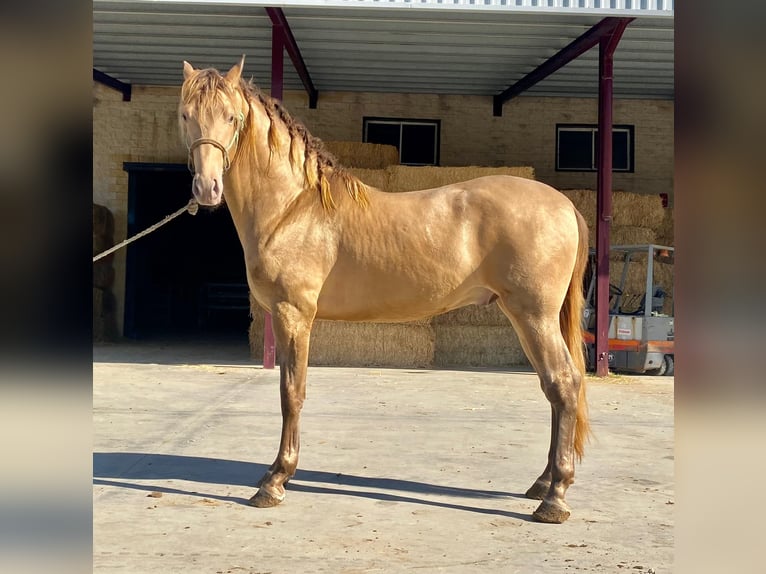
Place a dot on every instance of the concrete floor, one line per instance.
(400, 470)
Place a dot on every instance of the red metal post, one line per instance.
(277, 81)
(277, 60)
(278, 19)
(607, 46)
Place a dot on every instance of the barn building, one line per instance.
(448, 84)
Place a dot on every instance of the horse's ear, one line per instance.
(235, 73)
(188, 70)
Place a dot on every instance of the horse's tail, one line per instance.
(570, 320)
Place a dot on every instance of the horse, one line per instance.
(319, 243)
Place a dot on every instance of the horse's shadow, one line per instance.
(122, 469)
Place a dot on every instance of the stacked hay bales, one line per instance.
(378, 178)
(372, 344)
(637, 220)
(666, 229)
(476, 336)
(104, 321)
(358, 344)
(398, 178)
(363, 155)
(409, 178)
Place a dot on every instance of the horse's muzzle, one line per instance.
(207, 191)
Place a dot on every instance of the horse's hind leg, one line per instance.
(540, 487)
(546, 349)
(292, 328)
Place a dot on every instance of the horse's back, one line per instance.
(505, 211)
(491, 197)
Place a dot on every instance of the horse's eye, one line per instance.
(184, 116)
(231, 119)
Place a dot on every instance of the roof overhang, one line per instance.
(426, 46)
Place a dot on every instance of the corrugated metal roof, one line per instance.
(422, 46)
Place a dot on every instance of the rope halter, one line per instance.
(215, 143)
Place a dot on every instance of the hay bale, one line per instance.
(637, 219)
(363, 155)
(473, 315)
(624, 235)
(378, 178)
(477, 346)
(628, 209)
(341, 343)
(399, 178)
(409, 178)
(665, 233)
(585, 202)
(630, 235)
(638, 210)
(371, 344)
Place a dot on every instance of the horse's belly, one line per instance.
(395, 299)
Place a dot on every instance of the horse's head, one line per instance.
(211, 116)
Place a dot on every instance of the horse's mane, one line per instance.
(319, 167)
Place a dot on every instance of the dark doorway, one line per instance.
(187, 277)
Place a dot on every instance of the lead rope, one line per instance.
(191, 207)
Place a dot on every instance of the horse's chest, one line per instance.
(277, 271)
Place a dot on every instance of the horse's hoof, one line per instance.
(551, 512)
(264, 499)
(538, 490)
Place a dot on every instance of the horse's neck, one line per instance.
(261, 187)
(257, 204)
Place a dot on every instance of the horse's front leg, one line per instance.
(292, 328)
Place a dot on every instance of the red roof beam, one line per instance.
(577, 47)
(279, 20)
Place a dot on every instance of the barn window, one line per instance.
(577, 147)
(416, 140)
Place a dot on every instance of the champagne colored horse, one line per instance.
(320, 244)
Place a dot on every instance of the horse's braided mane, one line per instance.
(318, 164)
